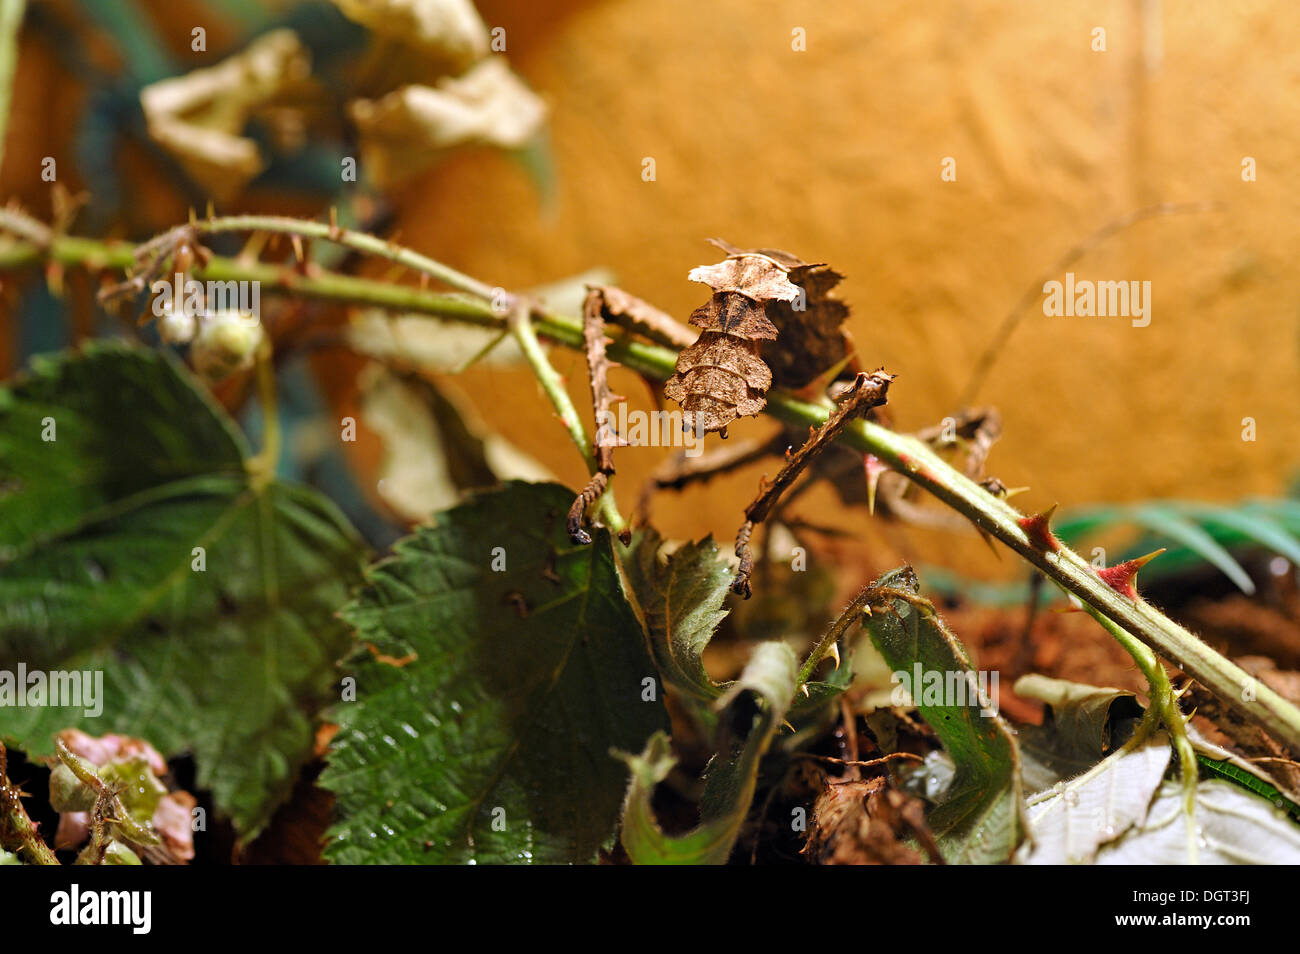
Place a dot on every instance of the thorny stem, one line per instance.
(360, 241)
(1163, 702)
(904, 454)
(1162, 708)
(830, 641)
(14, 819)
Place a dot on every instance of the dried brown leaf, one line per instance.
(865, 822)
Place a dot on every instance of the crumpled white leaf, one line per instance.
(1071, 821)
(1123, 811)
(198, 117)
(1233, 827)
(451, 29)
(416, 475)
(402, 131)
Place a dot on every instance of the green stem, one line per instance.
(833, 635)
(15, 821)
(1162, 708)
(11, 20)
(521, 327)
(359, 241)
(905, 454)
(261, 468)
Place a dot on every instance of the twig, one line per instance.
(14, 819)
(855, 763)
(1035, 289)
(332, 232)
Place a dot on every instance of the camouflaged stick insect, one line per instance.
(606, 438)
(609, 304)
(868, 391)
(812, 339)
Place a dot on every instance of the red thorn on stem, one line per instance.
(874, 468)
(1037, 528)
(1122, 577)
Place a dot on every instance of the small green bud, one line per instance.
(176, 327)
(68, 793)
(227, 342)
(119, 854)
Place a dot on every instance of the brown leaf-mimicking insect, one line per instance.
(721, 376)
(812, 339)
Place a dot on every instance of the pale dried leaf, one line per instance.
(432, 345)
(448, 29)
(435, 447)
(1070, 822)
(198, 117)
(403, 131)
(1232, 827)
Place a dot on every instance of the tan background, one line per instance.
(834, 154)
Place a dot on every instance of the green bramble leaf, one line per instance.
(113, 469)
(678, 597)
(522, 666)
(980, 818)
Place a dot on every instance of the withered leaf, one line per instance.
(199, 118)
(864, 822)
(405, 130)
